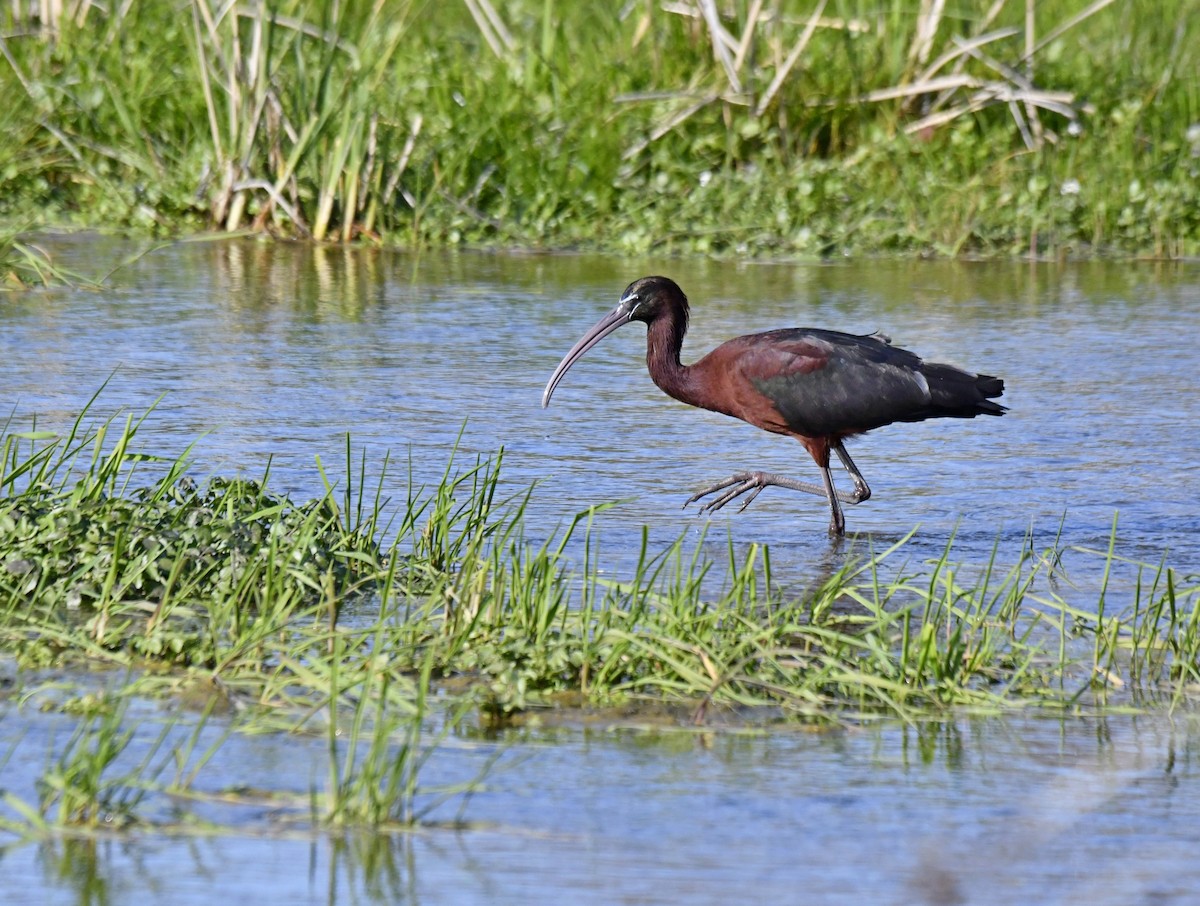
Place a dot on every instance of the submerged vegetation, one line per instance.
(748, 128)
(383, 625)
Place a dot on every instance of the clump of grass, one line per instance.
(252, 586)
(92, 783)
(227, 579)
(845, 648)
(168, 569)
(25, 265)
(291, 112)
(531, 629)
(376, 753)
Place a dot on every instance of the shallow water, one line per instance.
(986, 810)
(278, 350)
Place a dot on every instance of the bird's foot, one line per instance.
(734, 486)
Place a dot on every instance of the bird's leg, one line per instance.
(837, 521)
(753, 483)
(861, 491)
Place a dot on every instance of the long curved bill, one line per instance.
(600, 330)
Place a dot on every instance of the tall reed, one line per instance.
(293, 132)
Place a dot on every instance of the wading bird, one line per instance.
(818, 386)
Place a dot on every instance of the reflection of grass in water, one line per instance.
(24, 265)
(89, 783)
(233, 596)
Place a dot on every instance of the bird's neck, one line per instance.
(664, 339)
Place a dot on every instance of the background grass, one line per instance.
(628, 128)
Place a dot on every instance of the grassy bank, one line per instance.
(343, 617)
(254, 589)
(747, 129)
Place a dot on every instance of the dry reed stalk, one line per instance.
(1070, 23)
(793, 57)
(913, 89)
(1018, 91)
(402, 163)
(957, 55)
(1035, 139)
(492, 27)
(50, 12)
(748, 32)
(928, 20)
(991, 93)
(960, 49)
(277, 198)
(1032, 96)
(667, 125)
(722, 42)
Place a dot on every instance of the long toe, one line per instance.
(737, 478)
(715, 504)
(749, 500)
(735, 486)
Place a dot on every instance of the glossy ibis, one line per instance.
(818, 386)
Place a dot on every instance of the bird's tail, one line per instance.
(959, 394)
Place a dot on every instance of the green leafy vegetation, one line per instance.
(333, 619)
(832, 127)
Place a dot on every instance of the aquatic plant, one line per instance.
(169, 569)
(344, 620)
(93, 782)
(253, 585)
(291, 112)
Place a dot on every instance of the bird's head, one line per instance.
(646, 300)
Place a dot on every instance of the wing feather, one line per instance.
(825, 382)
(822, 383)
